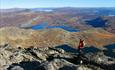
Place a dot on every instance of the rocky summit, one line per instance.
(26, 49)
(26, 38)
(51, 59)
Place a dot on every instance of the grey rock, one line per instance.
(48, 59)
(17, 68)
(83, 68)
(58, 64)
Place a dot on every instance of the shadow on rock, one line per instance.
(110, 50)
(67, 48)
(25, 65)
(68, 68)
(90, 49)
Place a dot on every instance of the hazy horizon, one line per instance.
(6, 4)
(53, 7)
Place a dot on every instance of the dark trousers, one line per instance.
(81, 54)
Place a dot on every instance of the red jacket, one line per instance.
(81, 44)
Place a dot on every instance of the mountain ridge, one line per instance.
(54, 37)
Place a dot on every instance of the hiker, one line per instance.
(80, 53)
(81, 45)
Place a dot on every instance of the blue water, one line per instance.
(98, 22)
(40, 26)
(45, 25)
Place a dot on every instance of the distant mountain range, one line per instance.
(78, 18)
(98, 11)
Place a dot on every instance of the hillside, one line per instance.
(15, 19)
(17, 37)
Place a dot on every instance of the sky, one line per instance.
(55, 3)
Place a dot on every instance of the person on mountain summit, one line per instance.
(80, 53)
(81, 45)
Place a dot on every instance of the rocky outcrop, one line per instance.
(17, 37)
(50, 59)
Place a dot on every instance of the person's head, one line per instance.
(81, 40)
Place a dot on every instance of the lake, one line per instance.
(46, 26)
